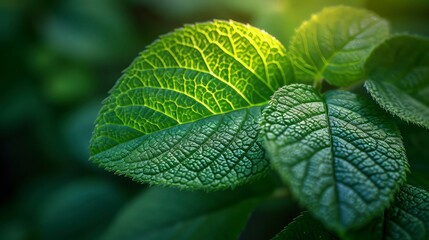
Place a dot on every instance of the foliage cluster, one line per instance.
(222, 105)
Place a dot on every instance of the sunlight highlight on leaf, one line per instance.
(185, 112)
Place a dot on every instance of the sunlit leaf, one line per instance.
(185, 112)
(334, 44)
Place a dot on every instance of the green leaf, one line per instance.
(213, 153)
(184, 113)
(171, 214)
(283, 21)
(408, 217)
(334, 44)
(342, 157)
(304, 227)
(398, 72)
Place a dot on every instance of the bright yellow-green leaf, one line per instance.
(185, 112)
(334, 44)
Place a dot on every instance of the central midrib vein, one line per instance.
(183, 123)
(331, 140)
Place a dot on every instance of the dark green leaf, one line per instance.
(304, 227)
(342, 157)
(398, 72)
(408, 217)
(172, 214)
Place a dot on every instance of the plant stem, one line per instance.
(317, 84)
(280, 193)
(353, 86)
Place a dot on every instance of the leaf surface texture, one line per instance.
(334, 44)
(342, 157)
(408, 217)
(398, 78)
(184, 112)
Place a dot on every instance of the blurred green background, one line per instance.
(58, 61)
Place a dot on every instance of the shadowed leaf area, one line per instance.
(342, 157)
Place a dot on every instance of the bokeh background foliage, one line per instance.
(59, 58)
